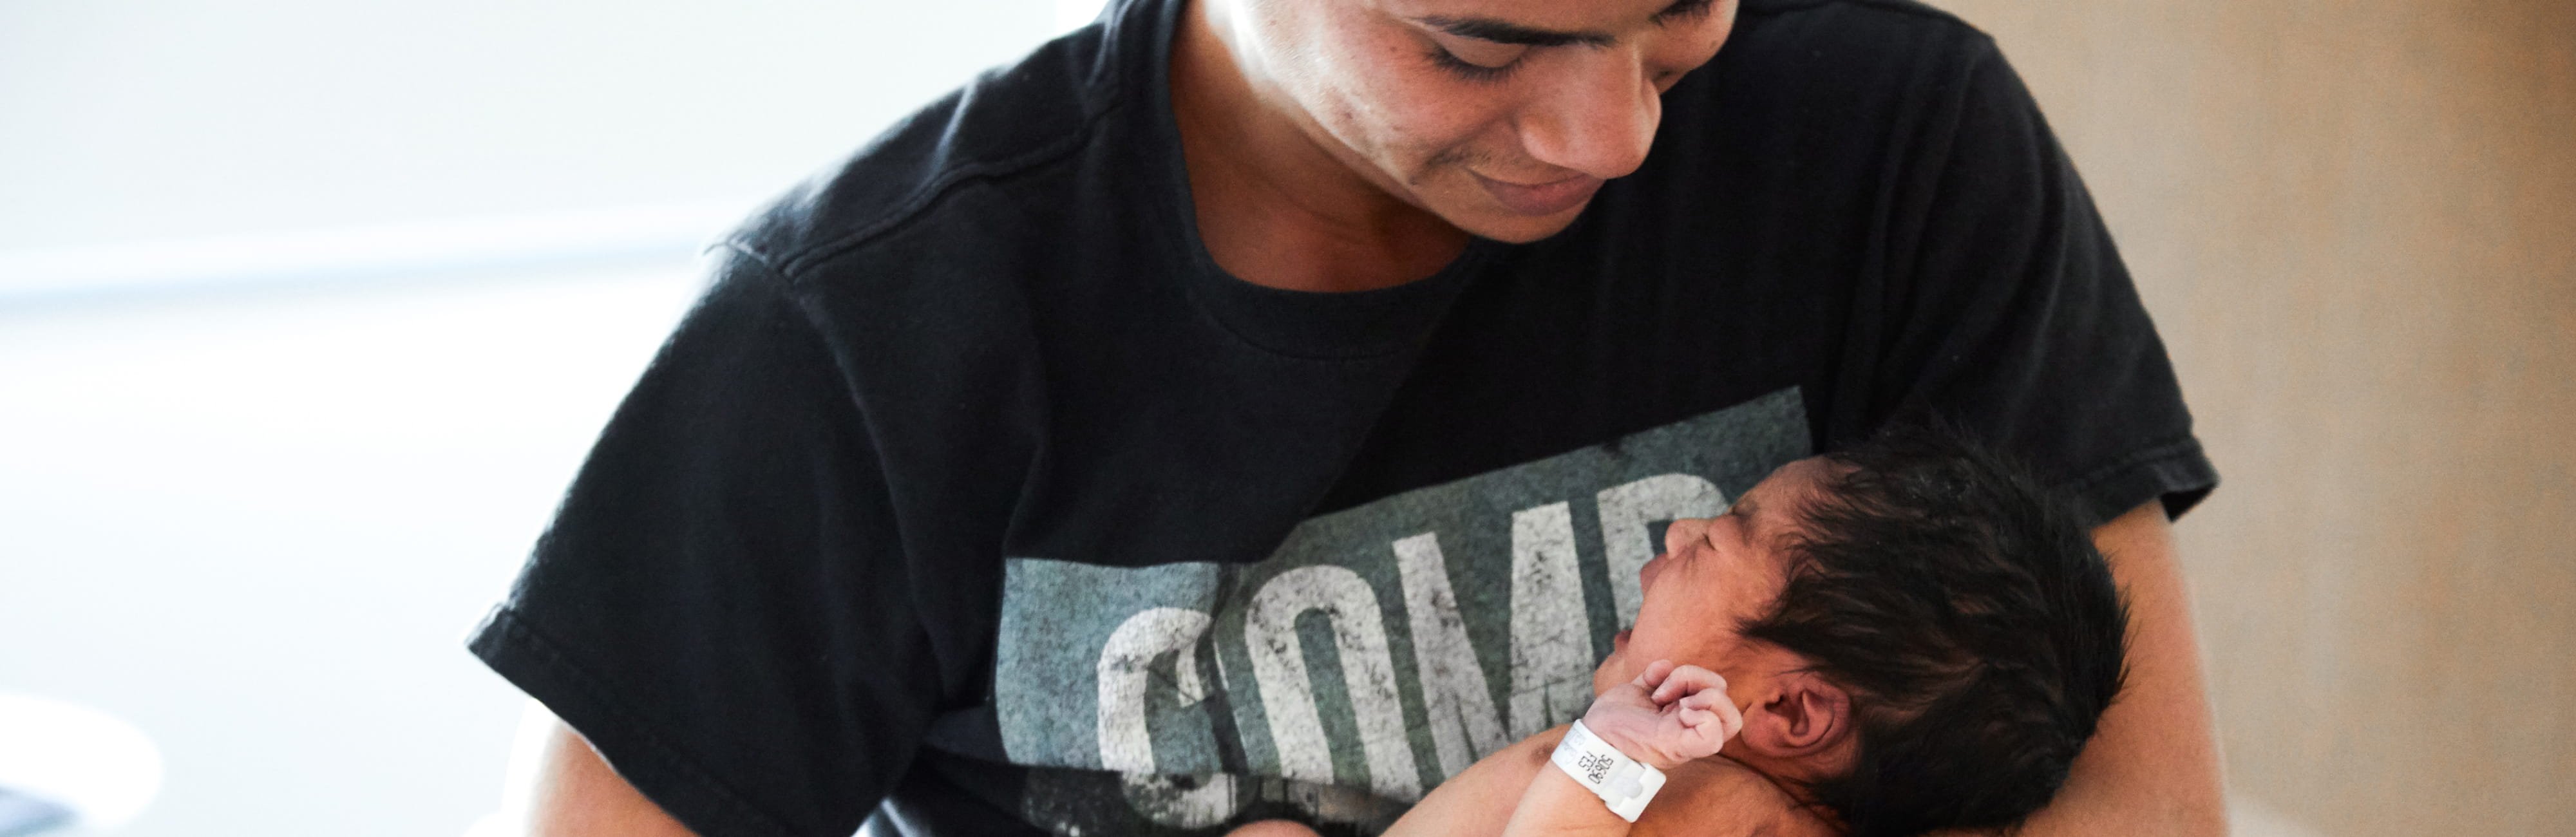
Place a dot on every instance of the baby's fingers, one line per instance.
(1730, 720)
(1711, 706)
(1651, 680)
(1684, 680)
(1701, 733)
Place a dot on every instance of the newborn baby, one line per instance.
(1907, 636)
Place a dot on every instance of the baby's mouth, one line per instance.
(1620, 640)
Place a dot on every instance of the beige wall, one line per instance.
(2356, 225)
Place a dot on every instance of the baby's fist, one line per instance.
(1667, 716)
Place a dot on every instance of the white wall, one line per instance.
(259, 527)
(2355, 224)
(150, 119)
(255, 516)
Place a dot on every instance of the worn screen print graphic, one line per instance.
(1382, 648)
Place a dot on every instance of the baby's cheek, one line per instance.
(1741, 689)
(1612, 672)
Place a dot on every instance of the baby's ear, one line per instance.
(1799, 716)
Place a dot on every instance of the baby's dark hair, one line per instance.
(1966, 611)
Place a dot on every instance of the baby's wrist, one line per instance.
(1605, 725)
(1624, 783)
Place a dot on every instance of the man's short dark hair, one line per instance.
(1966, 611)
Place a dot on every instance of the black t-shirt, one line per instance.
(975, 487)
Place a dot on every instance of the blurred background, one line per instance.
(308, 310)
(2355, 225)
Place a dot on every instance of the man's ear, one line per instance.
(1800, 716)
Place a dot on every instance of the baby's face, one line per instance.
(1715, 574)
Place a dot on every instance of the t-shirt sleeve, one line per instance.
(2012, 314)
(721, 605)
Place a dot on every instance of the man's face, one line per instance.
(1500, 116)
(1715, 575)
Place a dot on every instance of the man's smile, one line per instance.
(1538, 199)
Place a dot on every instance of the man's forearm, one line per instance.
(578, 794)
(2152, 767)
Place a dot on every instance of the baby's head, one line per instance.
(1919, 635)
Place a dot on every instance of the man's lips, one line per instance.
(1547, 198)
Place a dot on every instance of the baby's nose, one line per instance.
(1683, 532)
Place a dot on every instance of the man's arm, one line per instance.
(2152, 766)
(573, 793)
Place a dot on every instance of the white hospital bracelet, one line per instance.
(1623, 783)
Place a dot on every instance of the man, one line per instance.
(1261, 408)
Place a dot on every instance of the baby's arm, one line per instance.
(1516, 791)
(1668, 717)
(1478, 801)
(1711, 797)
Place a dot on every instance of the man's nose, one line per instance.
(1600, 121)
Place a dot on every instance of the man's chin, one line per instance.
(1513, 228)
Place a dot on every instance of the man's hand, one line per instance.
(1667, 716)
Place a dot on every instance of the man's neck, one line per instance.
(1274, 206)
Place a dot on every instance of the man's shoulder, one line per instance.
(1007, 124)
(1891, 12)
(1850, 38)
(1830, 82)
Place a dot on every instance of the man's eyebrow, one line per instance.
(1680, 8)
(1507, 32)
